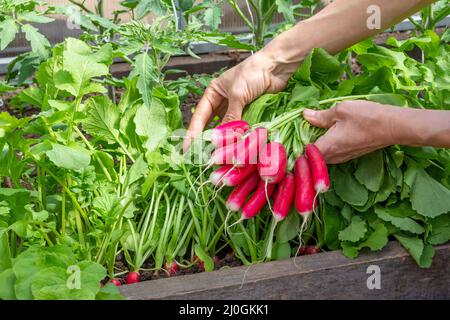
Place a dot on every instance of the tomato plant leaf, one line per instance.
(213, 17)
(39, 43)
(285, 8)
(31, 16)
(102, 119)
(8, 29)
(146, 72)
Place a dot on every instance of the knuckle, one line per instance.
(340, 110)
(230, 117)
(345, 108)
(237, 92)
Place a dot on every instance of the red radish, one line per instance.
(237, 175)
(225, 154)
(226, 138)
(116, 282)
(238, 196)
(312, 250)
(272, 162)
(247, 150)
(171, 268)
(234, 125)
(201, 264)
(258, 200)
(304, 189)
(229, 132)
(216, 260)
(284, 197)
(216, 176)
(318, 168)
(133, 277)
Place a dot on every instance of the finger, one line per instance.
(234, 111)
(322, 119)
(204, 111)
(327, 146)
(220, 111)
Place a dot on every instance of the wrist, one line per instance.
(286, 52)
(403, 127)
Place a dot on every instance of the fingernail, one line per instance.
(309, 113)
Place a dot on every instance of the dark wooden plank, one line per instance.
(327, 275)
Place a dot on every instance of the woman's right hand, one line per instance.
(228, 94)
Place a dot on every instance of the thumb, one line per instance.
(234, 111)
(322, 119)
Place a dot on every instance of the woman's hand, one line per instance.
(228, 94)
(354, 128)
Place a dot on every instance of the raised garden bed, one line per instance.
(328, 275)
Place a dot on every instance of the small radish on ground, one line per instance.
(116, 282)
(257, 201)
(237, 197)
(171, 268)
(133, 277)
(318, 168)
(312, 250)
(272, 162)
(201, 264)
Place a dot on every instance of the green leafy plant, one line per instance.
(431, 15)
(53, 273)
(19, 16)
(100, 187)
(261, 14)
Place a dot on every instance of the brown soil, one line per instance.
(188, 106)
(18, 112)
(226, 261)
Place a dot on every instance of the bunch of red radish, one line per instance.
(258, 168)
